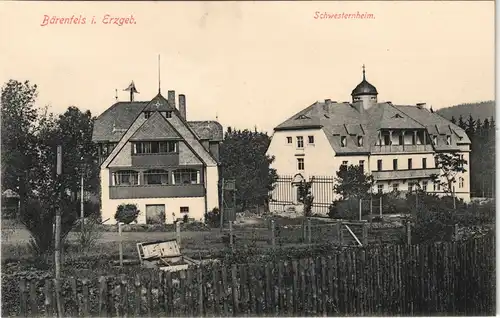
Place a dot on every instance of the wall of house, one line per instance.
(212, 186)
(172, 208)
(318, 157)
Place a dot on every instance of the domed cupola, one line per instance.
(365, 93)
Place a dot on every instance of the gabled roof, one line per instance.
(344, 119)
(159, 103)
(156, 127)
(111, 125)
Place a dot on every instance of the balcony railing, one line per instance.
(401, 148)
(156, 191)
(404, 174)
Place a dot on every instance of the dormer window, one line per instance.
(343, 141)
(434, 140)
(147, 115)
(167, 114)
(360, 141)
(448, 140)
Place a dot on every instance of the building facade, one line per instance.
(151, 156)
(396, 144)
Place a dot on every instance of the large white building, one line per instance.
(153, 157)
(396, 144)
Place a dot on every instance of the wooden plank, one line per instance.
(324, 286)
(244, 293)
(281, 290)
(234, 289)
(333, 286)
(102, 296)
(269, 289)
(169, 294)
(201, 294)
(159, 284)
(85, 298)
(295, 287)
(253, 289)
(110, 296)
(49, 300)
(303, 286)
(123, 296)
(72, 282)
(225, 287)
(216, 288)
(138, 296)
(33, 298)
(149, 294)
(314, 287)
(182, 293)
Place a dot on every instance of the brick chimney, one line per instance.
(171, 98)
(182, 105)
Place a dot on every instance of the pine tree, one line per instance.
(461, 122)
(470, 126)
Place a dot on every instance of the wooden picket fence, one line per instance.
(456, 278)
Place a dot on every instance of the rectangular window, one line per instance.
(380, 188)
(409, 164)
(413, 139)
(424, 163)
(126, 177)
(401, 139)
(360, 141)
(362, 165)
(184, 209)
(156, 176)
(155, 147)
(186, 176)
(310, 139)
(395, 164)
(344, 163)
(300, 142)
(343, 141)
(462, 161)
(379, 165)
(410, 187)
(387, 138)
(147, 115)
(167, 114)
(395, 187)
(448, 140)
(460, 182)
(289, 140)
(300, 163)
(424, 186)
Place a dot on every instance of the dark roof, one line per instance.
(111, 125)
(344, 119)
(364, 88)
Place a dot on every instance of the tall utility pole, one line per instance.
(221, 210)
(57, 248)
(82, 214)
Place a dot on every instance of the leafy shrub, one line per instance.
(38, 218)
(88, 233)
(127, 213)
(306, 197)
(212, 218)
(345, 209)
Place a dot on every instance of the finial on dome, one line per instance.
(364, 72)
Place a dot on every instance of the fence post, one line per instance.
(408, 232)
(339, 233)
(273, 241)
(120, 243)
(178, 232)
(455, 232)
(309, 230)
(360, 209)
(304, 229)
(231, 233)
(380, 203)
(365, 234)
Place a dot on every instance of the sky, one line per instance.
(250, 64)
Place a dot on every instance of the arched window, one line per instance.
(157, 176)
(186, 176)
(126, 177)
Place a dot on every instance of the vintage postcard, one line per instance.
(223, 158)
